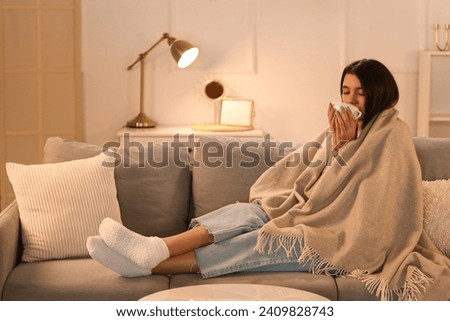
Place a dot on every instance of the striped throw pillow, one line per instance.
(62, 204)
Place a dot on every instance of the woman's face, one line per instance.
(352, 92)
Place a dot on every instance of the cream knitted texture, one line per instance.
(147, 252)
(100, 252)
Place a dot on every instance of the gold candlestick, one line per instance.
(436, 37)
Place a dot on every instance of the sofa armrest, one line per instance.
(9, 241)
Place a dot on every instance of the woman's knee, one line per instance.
(248, 213)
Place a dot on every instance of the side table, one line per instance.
(163, 133)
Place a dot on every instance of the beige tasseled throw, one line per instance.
(357, 214)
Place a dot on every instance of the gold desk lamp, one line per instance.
(182, 52)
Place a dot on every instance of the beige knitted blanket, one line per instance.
(357, 214)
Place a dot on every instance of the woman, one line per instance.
(355, 212)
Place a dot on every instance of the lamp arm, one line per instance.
(144, 54)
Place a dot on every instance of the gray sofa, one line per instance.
(160, 200)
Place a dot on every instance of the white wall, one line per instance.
(287, 55)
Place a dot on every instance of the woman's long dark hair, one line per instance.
(380, 88)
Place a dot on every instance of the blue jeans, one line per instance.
(235, 229)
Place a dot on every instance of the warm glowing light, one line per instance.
(188, 57)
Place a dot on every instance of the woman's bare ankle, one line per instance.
(184, 263)
(189, 240)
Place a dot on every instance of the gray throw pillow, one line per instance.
(225, 169)
(153, 188)
(434, 157)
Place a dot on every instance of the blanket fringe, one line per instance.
(415, 284)
(271, 244)
(292, 245)
(374, 284)
(318, 265)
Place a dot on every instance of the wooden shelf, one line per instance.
(440, 118)
(433, 104)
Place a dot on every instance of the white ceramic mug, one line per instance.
(340, 106)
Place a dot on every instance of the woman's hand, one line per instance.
(343, 126)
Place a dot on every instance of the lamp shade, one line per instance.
(183, 52)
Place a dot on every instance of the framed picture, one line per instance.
(237, 112)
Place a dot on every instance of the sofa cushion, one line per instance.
(437, 213)
(62, 204)
(351, 289)
(321, 284)
(77, 280)
(154, 199)
(434, 157)
(225, 168)
(153, 188)
(57, 149)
